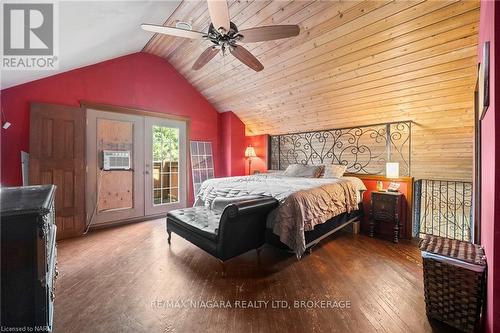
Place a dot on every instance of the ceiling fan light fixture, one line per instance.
(183, 25)
(225, 35)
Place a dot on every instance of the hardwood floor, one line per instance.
(114, 280)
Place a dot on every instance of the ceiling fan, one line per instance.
(225, 36)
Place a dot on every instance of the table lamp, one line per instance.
(392, 171)
(249, 153)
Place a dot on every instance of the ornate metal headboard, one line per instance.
(364, 149)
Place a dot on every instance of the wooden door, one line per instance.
(57, 156)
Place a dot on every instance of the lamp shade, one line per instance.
(392, 170)
(250, 152)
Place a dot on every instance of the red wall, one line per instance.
(138, 80)
(259, 143)
(232, 135)
(490, 162)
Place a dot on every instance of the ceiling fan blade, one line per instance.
(219, 14)
(173, 31)
(246, 57)
(270, 32)
(205, 57)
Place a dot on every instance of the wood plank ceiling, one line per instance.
(354, 63)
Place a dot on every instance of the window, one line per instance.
(202, 163)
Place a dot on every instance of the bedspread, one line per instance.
(304, 202)
(304, 209)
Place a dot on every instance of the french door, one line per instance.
(114, 195)
(165, 186)
(157, 179)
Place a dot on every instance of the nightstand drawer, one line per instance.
(383, 210)
(385, 215)
(386, 208)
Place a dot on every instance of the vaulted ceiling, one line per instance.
(350, 58)
(354, 63)
(95, 31)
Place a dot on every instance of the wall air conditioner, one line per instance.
(116, 160)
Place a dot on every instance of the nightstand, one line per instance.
(386, 207)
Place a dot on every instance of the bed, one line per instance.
(309, 210)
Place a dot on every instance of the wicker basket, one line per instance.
(454, 281)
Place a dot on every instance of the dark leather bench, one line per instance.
(227, 229)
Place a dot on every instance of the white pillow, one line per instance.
(302, 170)
(334, 171)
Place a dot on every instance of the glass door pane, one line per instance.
(165, 165)
(165, 168)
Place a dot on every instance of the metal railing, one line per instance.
(443, 208)
(362, 149)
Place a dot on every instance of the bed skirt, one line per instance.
(320, 231)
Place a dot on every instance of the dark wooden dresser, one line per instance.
(29, 253)
(386, 208)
